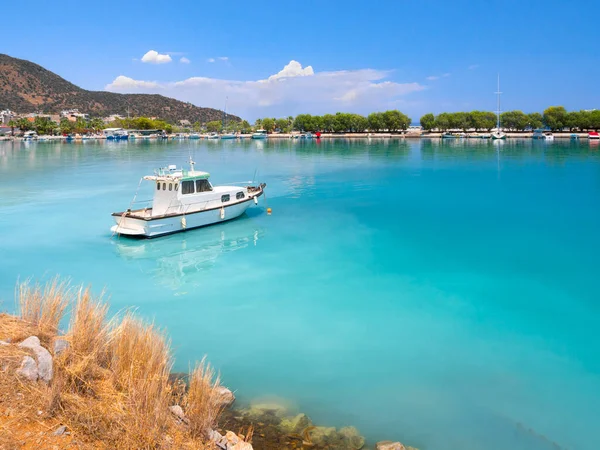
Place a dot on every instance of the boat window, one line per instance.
(187, 187)
(158, 186)
(170, 186)
(225, 198)
(239, 195)
(164, 186)
(203, 186)
(176, 186)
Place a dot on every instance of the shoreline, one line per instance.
(280, 136)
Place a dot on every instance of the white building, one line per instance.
(6, 116)
(73, 114)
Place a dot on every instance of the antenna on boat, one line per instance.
(191, 164)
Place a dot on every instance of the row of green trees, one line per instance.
(142, 123)
(44, 125)
(391, 121)
(555, 117)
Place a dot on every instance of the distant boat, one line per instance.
(574, 137)
(593, 135)
(212, 136)
(449, 136)
(498, 134)
(194, 136)
(228, 136)
(548, 136)
(260, 134)
(538, 134)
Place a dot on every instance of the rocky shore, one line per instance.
(107, 384)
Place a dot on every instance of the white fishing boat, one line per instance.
(498, 133)
(548, 136)
(260, 134)
(183, 200)
(213, 136)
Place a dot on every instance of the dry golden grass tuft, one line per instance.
(43, 306)
(111, 385)
(202, 403)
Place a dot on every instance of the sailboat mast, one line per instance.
(498, 111)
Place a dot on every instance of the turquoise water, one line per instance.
(444, 294)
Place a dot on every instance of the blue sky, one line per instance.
(419, 57)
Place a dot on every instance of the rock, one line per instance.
(4, 343)
(389, 445)
(225, 396)
(232, 438)
(271, 409)
(31, 341)
(60, 345)
(28, 369)
(325, 436)
(351, 438)
(241, 446)
(296, 424)
(44, 359)
(177, 411)
(60, 430)
(218, 439)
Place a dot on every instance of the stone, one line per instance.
(232, 438)
(295, 424)
(225, 396)
(4, 343)
(177, 411)
(241, 446)
(325, 436)
(43, 356)
(28, 369)
(261, 409)
(60, 430)
(389, 445)
(351, 438)
(60, 345)
(218, 439)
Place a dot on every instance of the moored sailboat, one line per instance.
(498, 133)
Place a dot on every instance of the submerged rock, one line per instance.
(260, 410)
(43, 356)
(325, 436)
(295, 424)
(351, 438)
(389, 445)
(28, 369)
(225, 396)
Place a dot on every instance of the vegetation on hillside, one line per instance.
(27, 87)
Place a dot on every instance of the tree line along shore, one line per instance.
(555, 118)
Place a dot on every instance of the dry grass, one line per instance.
(203, 407)
(111, 386)
(43, 306)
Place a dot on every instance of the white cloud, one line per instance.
(291, 91)
(211, 60)
(293, 69)
(184, 60)
(153, 57)
(437, 77)
(123, 83)
(224, 58)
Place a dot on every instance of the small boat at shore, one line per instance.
(548, 136)
(260, 134)
(213, 136)
(227, 136)
(594, 136)
(449, 136)
(183, 200)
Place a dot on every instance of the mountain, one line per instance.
(27, 87)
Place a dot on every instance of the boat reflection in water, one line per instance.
(183, 260)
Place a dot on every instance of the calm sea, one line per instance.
(445, 294)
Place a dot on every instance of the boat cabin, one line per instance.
(179, 191)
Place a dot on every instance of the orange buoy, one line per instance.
(269, 211)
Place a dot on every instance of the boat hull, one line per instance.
(160, 226)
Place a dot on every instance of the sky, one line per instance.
(276, 59)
